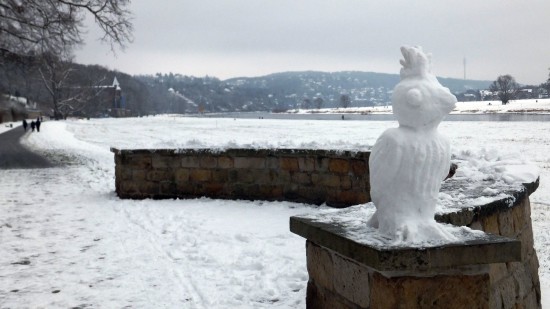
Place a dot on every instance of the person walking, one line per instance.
(32, 126)
(25, 125)
(38, 124)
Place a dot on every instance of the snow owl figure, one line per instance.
(408, 163)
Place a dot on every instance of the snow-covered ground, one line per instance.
(68, 241)
(539, 106)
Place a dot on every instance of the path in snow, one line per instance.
(14, 155)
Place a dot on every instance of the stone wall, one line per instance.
(339, 281)
(338, 178)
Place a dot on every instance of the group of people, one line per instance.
(34, 124)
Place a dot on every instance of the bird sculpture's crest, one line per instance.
(416, 62)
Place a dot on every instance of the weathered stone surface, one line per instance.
(200, 175)
(507, 292)
(301, 178)
(519, 216)
(490, 224)
(321, 164)
(335, 236)
(289, 164)
(225, 162)
(138, 174)
(272, 163)
(498, 271)
(506, 223)
(339, 166)
(359, 167)
(160, 175)
(162, 162)
(458, 291)
(319, 265)
(139, 162)
(190, 162)
(306, 164)
(249, 162)
(321, 298)
(208, 162)
(182, 175)
(351, 280)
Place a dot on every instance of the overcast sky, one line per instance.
(232, 38)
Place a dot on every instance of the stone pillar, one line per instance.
(346, 270)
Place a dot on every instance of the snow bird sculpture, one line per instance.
(408, 163)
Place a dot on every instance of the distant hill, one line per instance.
(280, 91)
(177, 93)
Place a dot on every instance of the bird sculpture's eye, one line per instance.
(414, 97)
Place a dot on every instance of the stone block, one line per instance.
(506, 223)
(213, 189)
(190, 162)
(123, 173)
(319, 265)
(282, 177)
(321, 298)
(168, 189)
(444, 291)
(321, 164)
(200, 175)
(182, 175)
(272, 163)
(220, 175)
(532, 264)
(498, 271)
(139, 174)
(225, 162)
(490, 224)
(519, 216)
(185, 188)
(476, 225)
(527, 241)
(522, 280)
(160, 175)
(129, 188)
(507, 290)
(249, 162)
(246, 176)
(328, 180)
(138, 161)
(208, 162)
(272, 192)
(345, 183)
(339, 166)
(289, 164)
(306, 164)
(163, 162)
(301, 178)
(531, 301)
(360, 168)
(351, 280)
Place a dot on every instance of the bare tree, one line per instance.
(319, 102)
(55, 26)
(345, 101)
(306, 103)
(506, 88)
(67, 95)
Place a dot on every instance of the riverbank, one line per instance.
(531, 106)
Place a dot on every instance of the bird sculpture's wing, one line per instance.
(384, 163)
